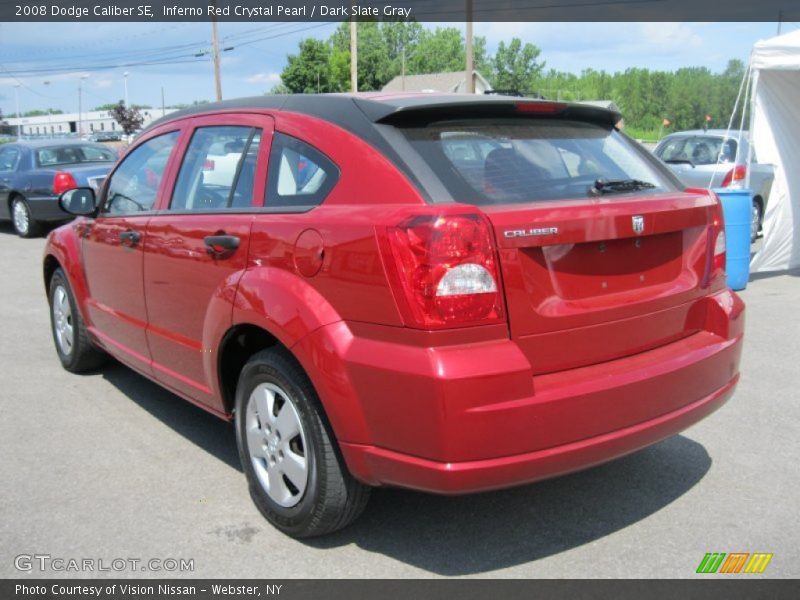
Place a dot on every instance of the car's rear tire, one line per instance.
(755, 220)
(24, 224)
(296, 474)
(75, 350)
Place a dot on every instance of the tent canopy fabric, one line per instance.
(775, 134)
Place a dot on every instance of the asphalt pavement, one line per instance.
(110, 466)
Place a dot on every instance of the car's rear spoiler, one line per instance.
(422, 109)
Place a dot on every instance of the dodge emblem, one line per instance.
(638, 223)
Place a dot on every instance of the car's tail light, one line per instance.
(735, 176)
(209, 165)
(62, 182)
(444, 271)
(718, 233)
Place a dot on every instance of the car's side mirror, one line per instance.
(80, 201)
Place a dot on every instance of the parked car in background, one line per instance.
(707, 158)
(34, 173)
(105, 136)
(445, 293)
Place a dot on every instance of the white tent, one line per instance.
(775, 132)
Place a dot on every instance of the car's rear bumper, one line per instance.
(469, 417)
(385, 467)
(45, 208)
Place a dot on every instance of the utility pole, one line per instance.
(80, 104)
(125, 77)
(163, 108)
(780, 21)
(19, 116)
(215, 56)
(470, 89)
(49, 115)
(353, 54)
(403, 69)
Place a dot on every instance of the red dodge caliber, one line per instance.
(440, 292)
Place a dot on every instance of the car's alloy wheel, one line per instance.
(21, 217)
(63, 327)
(277, 444)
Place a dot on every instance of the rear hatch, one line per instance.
(593, 289)
(602, 254)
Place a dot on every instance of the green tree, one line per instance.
(42, 113)
(515, 66)
(441, 50)
(109, 106)
(308, 71)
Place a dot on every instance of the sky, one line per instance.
(258, 52)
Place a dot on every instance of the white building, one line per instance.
(85, 123)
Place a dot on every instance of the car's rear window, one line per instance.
(67, 155)
(521, 160)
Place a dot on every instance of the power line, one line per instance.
(27, 87)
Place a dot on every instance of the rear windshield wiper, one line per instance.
(613, 186)
(679, 161)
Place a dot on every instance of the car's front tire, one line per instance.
(24, 224)
(297, 477)
(75, 350)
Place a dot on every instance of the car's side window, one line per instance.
(218, 169)
(133, 187)
(299, 175)
(8, 159)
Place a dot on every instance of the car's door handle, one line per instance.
(130, 237)
(220, 245)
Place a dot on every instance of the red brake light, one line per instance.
(737, 173)
(539, 107)
(445, 270)
(62, 182)
(209, 165)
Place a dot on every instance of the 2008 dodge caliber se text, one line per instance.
(444, 293)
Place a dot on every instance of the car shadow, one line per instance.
(770, 274)
(465, 535)
(479, 533)
(203, 429)
(7, 228)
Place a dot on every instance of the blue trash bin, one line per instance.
(737, 211)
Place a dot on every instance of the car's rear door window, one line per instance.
(218, 170)
(520, 160)
(299, 174)
(66, 155)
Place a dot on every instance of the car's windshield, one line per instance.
(68, 155)
(697, 150)
(522, 160)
